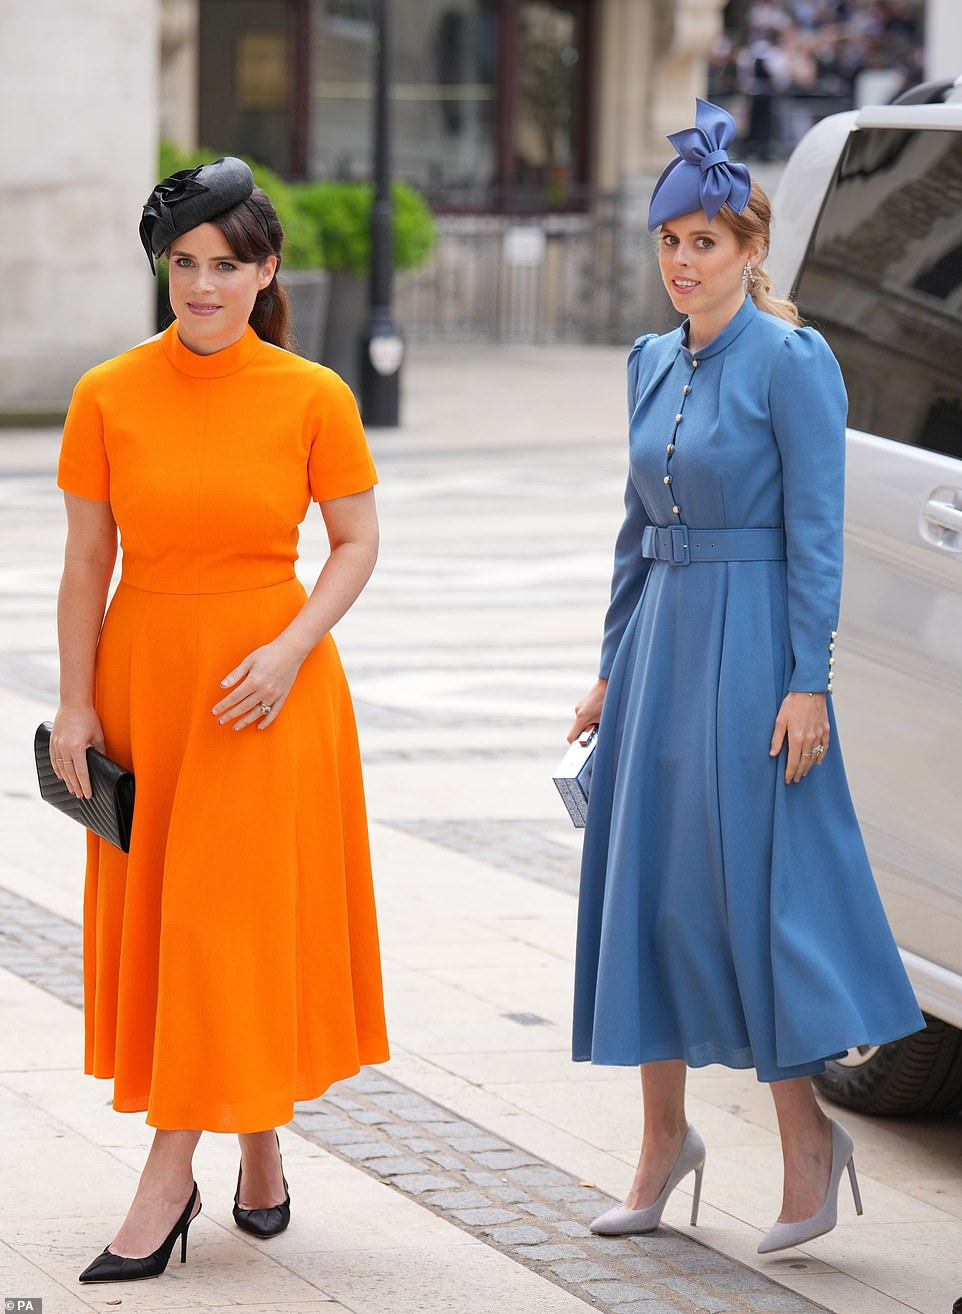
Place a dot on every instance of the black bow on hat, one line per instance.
(191, 197)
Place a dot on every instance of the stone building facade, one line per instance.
(535, 127)
(78, 103)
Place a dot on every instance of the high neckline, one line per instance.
(742, 317)
(218, 364)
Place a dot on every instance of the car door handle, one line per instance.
(943, 514)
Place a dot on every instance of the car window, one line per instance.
(882, 279)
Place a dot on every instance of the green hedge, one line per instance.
(327, 224)
(341, 215)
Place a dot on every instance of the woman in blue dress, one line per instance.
(728, 913)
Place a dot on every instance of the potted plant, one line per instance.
(341, 216)
(303, 274)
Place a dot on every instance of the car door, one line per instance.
(882, 279)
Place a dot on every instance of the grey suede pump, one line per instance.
(784, 1235)
(630, 1222)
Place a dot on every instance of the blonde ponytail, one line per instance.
(754, 224)
(760, 290)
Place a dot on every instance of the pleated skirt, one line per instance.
(231, 960)
(725, 916)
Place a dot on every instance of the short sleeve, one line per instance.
(340, 462)
(83, 467)
(808, 408)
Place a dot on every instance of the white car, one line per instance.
(868, 240)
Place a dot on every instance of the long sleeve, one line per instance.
(808, 406)
(630, 568)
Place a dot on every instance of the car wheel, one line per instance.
(920, 1074)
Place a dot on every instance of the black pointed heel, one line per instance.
(263, 1222)
(108, 1267)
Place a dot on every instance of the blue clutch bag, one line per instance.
(573, 776)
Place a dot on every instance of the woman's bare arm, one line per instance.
(89, 558)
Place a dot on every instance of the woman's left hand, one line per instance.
(804, 718)
(263, 679)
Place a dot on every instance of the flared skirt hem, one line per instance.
(260, 1115)
(704, 1055)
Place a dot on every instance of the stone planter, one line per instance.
(347, 314)
(309, 292)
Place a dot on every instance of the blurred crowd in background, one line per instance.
(784, 64)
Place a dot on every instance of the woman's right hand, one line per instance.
(588, 711)
(75, 729)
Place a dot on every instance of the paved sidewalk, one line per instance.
(499, 503)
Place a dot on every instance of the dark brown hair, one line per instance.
(754, 224)
(253, 232)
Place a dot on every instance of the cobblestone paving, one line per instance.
(527, 1208)
(41, 947)
(507, 1198)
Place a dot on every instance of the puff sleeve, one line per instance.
(340, 461)
(83, 467)
(630, 568)
(808, 407)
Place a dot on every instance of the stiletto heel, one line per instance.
(264, 1222)
(630, 1222)
(108, 1267)
(784, 1235)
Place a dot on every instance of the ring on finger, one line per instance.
(264, 708)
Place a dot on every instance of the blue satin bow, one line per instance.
(701, 177)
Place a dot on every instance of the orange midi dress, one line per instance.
(231, 961)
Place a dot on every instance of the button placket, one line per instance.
(670, 446)
(831, 660)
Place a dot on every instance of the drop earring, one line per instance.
(748, 276)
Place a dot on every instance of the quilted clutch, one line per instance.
(573, 776)
(109, 812)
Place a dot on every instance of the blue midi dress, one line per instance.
(726, 916)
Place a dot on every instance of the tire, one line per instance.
(920, 1074)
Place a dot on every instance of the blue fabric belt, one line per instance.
(681, 545)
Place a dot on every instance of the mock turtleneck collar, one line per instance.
(219, 363)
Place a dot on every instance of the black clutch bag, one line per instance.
(109, 812)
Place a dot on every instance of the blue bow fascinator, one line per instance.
(701, 177)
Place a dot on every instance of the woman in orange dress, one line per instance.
(231, 962)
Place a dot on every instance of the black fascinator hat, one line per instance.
(195, 196)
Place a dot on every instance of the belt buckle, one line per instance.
(678, 538)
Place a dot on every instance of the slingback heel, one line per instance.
(629, 1222)
(784, 1235)
(108, 1267)
(264, 1222)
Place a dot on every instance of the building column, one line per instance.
(686, 29)
(78, 86)
(651, 63)
(179, 44)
